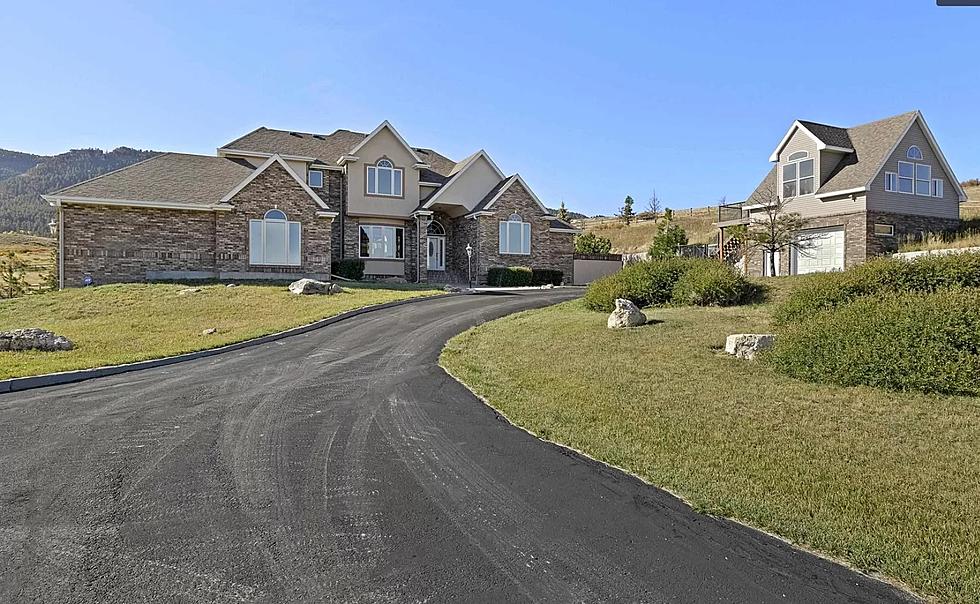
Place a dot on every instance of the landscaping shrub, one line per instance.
(509, 276)
(902, 341)
(713, 283)
(643, 283)
(545, 276)
(349, 268)
(926, 274)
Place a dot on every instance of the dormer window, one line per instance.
(315, 179)
(384, 179)
(914, 153)
(798, 175)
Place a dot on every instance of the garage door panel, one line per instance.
(822, 251)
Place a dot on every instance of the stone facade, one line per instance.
(860, 241)
(548, 250)
(120, 244)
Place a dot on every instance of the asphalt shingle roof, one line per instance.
(491, 193)
(169, 177)
(327, 148)
(831, 135)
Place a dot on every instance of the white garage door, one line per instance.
(822, 251)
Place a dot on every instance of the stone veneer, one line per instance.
(860, 242)
(118, 244)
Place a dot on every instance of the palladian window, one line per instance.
(515, 235)
(274, 240)
(384, 178)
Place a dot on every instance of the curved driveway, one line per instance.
(344, 465)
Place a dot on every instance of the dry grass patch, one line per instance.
(114, 324)
(638, 236)
(37, 254)
(887, 481)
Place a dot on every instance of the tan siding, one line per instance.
(828, 161)
(900, 203)
(808, 205)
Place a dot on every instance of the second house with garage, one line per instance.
(276, 204)
(861, 191)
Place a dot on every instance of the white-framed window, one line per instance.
(914, 153)
(515, 235)
(906, 177)
(891, 182)
(315, 179)
(888, 230)
(274, 240)
(923, 179)
(937, 187)
(380, 241)
(798, 175)
(384, 178)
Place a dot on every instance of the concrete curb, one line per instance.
(69, 377)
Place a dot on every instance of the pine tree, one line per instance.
(12, 282)
(627, 212)
(562, 212)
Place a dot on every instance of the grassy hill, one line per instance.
(638, 236)
(37, 254)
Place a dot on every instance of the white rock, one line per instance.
(452, 289)
(312, 286)
(547, 286)
(626, 314)
(747, 345)
(209, 331)
(33, 339)
(189, 290)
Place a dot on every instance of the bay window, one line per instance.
(515, 236)
(385, 242)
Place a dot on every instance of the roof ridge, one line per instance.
(912, 113)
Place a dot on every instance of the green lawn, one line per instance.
(889, 482)
(115, 324)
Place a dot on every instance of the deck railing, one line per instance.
(731, 211)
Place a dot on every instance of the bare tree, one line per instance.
(773, 228)
(654, 206)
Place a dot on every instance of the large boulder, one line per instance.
(33, 339)
(312, 286)
(747, 345)
(626, 314)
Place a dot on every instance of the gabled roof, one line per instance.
(561, 226)
(170, 179)
(495, 193)
(457, 172)
(325, 148)
(386, 125)
(811, 129)
(274, 160)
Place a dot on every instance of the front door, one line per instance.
(437, 254)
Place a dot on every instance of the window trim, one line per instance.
(894, 182)
(395, 228)
(309, 175)
(890, 228)
(264, 221)
(371, 179)
(505, 231)
(792, 158)
(927, 180)
(908, 153)
(900, 177)
(937, 191)
(798, 178)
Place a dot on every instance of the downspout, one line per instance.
(61, 248)
(418, 249)
(343, 211)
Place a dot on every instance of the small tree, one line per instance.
(12, 283)
(775, 229)
(562, 213)
(653, 206)
(669, 237)
(590, 243)
(626, 213)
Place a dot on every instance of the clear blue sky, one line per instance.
(588, 101)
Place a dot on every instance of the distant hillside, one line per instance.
(13, 163)
(21, 206)
(697, 222)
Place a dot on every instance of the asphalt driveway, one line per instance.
(344, 465)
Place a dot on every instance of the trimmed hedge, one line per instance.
(546, 276)
(681, 281)
(350, 268)
(713, 283)
(925, 274)
(509, 276)
(902, 341)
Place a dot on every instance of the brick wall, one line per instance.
(548, 250)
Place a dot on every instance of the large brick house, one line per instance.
(861, 190)
(279, 204)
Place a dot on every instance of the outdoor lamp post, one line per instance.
(469, 265)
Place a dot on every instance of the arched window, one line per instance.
(798, 155)
(274, 240)
(515, 235)
(436, 229)
(914, 153)
(384, 178)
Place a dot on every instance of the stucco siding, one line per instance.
(880, 200)
(470, 186)
(359, 202)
